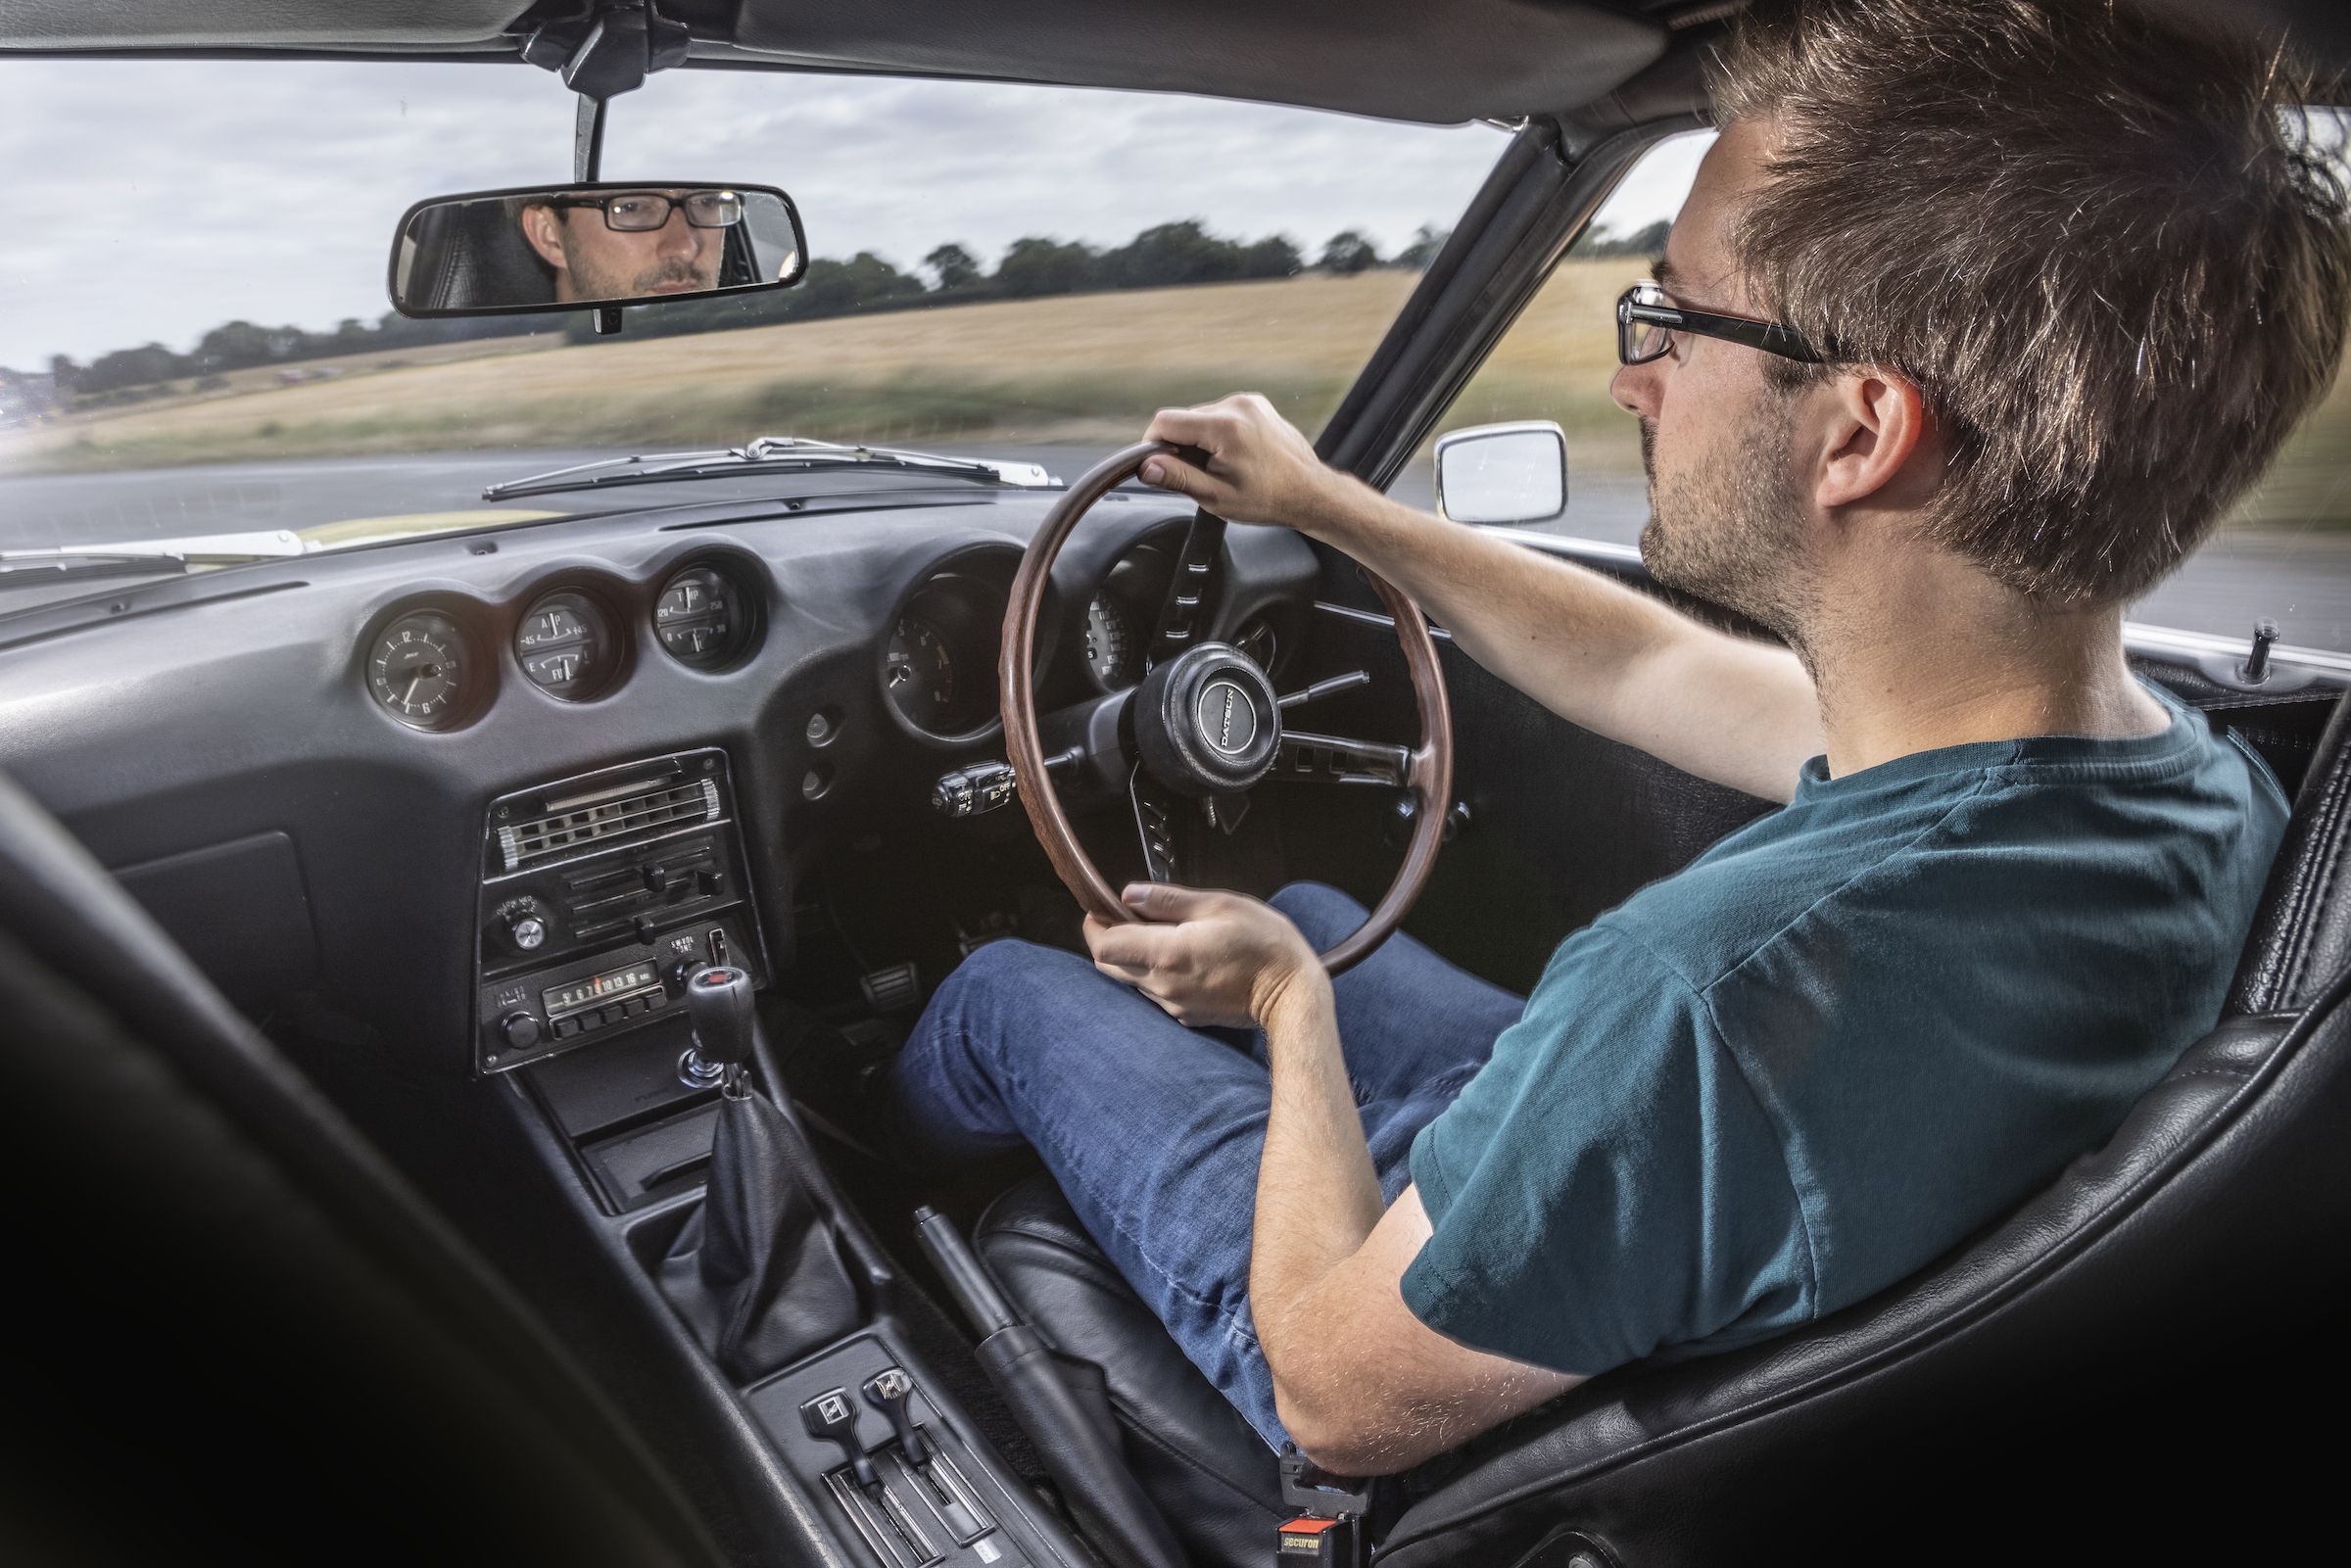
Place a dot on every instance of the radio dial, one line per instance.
(521, 1030)
(528, 932)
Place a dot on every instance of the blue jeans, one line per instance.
(1154, 1130)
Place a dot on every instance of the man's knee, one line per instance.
(1007, 969)
(1323, 915)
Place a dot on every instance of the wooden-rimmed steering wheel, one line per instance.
(1204, 724)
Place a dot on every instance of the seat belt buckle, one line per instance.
(1330, 1530)
(1321, 1542)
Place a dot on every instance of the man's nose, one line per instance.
(1634, 389)
(678, 237)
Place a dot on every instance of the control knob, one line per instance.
(520, 1030)
(525, 924)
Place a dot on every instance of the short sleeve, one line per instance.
(1607, 1187)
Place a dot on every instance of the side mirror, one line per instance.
(596, 243)
(1513, 473)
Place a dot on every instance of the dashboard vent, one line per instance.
(567, 833)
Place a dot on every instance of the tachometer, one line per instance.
(565, 645)
(418, 668)
(1109, 644)
(919, 672)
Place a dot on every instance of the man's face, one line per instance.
(595, 262)
(1725, 520)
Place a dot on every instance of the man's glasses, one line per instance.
(632, 211)
(1646, 325)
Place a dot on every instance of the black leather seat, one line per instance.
(2132, 1354)
(472, 255)
(238, 1334)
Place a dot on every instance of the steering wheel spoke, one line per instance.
(1157, 822)
(1304, 758)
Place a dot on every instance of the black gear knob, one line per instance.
(718, 1000)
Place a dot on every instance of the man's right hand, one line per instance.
(1259, 468)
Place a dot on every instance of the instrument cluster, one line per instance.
(437, 663)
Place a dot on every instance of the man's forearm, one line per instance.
(1317, 1196)
(1613, 660)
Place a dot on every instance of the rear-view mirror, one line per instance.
(1512, 473)
(565, 247)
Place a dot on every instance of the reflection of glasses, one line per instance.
(633, 210)
(1646, 325)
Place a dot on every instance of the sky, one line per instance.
(173, 195)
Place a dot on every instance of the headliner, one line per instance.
(1436, 61)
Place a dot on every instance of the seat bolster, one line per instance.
(2229, 1160)
(1211, 1476)
(2301, 935)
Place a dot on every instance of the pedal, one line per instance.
(891, 991)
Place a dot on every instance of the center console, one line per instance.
(599, 894)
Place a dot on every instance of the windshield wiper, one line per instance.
(786, 453)
(64, 563)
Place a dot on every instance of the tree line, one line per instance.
(1164, 256)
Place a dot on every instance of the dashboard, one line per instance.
(307, 750)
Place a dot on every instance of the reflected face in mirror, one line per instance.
(595, 261)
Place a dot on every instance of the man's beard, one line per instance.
(1731, 532)
(591, 282)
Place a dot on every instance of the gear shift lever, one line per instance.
(718, 1000)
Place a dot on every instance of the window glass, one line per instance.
(2283, 553)
(197, 338)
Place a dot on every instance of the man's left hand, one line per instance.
(1207, 957)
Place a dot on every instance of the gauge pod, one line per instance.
(566, 648)
(422, 671)
(705, 618)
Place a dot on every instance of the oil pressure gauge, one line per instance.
(422, 671)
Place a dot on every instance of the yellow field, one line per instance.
(1082, 368)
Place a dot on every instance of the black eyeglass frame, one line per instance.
(1769, 336)
(677, 203)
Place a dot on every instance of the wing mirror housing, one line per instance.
(1499, 474)
(591, 244)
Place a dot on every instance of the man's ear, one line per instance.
(1878, 442)
(544, 229)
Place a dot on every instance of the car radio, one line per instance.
(599, 894)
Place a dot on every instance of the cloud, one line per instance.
(169, 196)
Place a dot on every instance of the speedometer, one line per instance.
(1109, 644)
(919, 675)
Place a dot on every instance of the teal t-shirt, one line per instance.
(1840, 1040)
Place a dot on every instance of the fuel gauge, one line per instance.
(565, 645)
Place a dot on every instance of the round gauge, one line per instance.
(565, 645)
(419, 671)
(698, 619)
(920, 672)
(1255, 638)
(1109, 644)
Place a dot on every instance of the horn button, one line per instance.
(1206, 721)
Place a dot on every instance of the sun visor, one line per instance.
(1394, 59)
(253, 24)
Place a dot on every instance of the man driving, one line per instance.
(1979, 315)
(628, 244)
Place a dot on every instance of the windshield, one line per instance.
(198, 339)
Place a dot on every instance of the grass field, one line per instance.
(1080, 369)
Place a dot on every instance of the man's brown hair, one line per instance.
(2112, 258)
